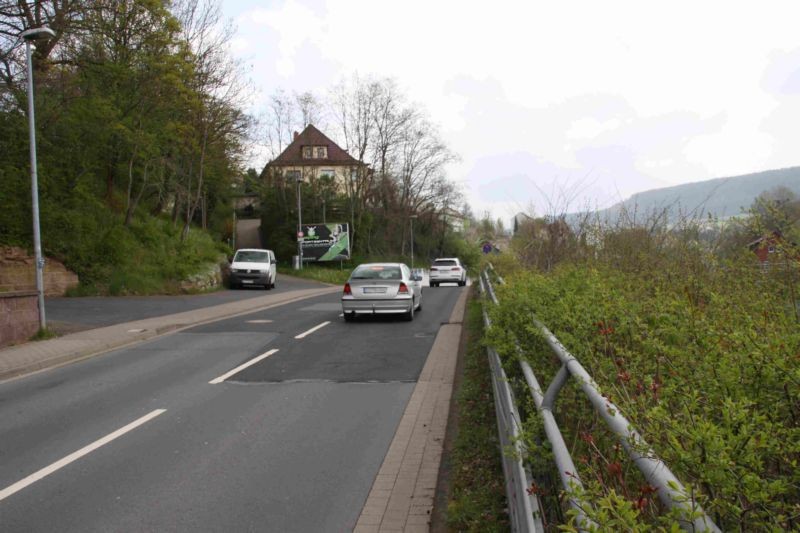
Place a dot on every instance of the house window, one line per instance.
(321, 152)
(292, 175)
(308, 152)
(327, 173)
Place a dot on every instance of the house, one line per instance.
(312, 156)
(765, 247)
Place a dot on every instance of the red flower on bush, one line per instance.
(604, 329)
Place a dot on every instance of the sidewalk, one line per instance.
(33, 356)
(401, 498)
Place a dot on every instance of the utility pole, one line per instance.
(299, 224)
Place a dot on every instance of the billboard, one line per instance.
(325, 242)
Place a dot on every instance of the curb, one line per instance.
(402, 495)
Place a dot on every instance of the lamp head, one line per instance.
(38, 34)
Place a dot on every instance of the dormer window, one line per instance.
(315, 152)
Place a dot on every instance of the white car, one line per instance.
(448, 270)
(253, 266)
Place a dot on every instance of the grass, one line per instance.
(325, 274)
(477, 495)
(43, 334)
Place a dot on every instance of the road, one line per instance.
(164, 435)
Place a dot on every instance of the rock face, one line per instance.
(18, 273)
(211, 277)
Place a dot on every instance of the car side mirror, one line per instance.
(416, 277)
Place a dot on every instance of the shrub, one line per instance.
(701, 354)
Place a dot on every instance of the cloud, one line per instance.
(634, 94)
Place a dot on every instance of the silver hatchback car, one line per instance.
(382, 288)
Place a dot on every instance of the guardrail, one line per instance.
(669, 489)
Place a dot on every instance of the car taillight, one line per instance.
(403, 289)
(456, 269)
(347, 289)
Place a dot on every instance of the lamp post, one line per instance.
(299, 223)
(411, 218)
(30, 35)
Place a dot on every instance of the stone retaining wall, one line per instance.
(18, 273)
(19, 316)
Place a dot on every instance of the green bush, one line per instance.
(701, 355)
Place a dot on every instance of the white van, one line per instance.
(252, 266)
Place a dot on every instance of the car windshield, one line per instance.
(444, 263)
(249, 256)
(377, 272)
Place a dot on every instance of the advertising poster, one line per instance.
(325, 242)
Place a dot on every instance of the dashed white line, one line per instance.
(260, 321)
(46, 471)
(239, 368)
(312, 330)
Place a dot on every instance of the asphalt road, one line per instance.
(75, 314)
(291, 443)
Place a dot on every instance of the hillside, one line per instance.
(720, 197)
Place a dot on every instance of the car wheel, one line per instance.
(349, 317)
(409, 316)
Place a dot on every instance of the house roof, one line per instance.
(311, 136)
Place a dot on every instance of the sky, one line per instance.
(560, 105)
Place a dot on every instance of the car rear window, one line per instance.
(377, 272)
(449, 263)
(251, 257)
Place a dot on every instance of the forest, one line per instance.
(145, 130)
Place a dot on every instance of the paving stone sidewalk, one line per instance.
(32, 356)
(401, 498)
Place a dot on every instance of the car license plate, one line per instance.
(374, 290)
(247, 281)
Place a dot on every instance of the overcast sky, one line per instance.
(556, 102)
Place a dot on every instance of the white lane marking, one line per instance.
(135, 330)
(239, 368)
(259, 321)
(312, 330)
(74, 456)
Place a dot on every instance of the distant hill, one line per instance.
(720, 197)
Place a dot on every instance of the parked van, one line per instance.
(251, 267)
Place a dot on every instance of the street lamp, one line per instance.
(299, 177)
(35, 34)
(411, 218)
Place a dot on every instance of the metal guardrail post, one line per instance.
(670, 491)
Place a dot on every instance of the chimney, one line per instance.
(296, 135)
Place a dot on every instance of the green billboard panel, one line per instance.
(325, 242)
